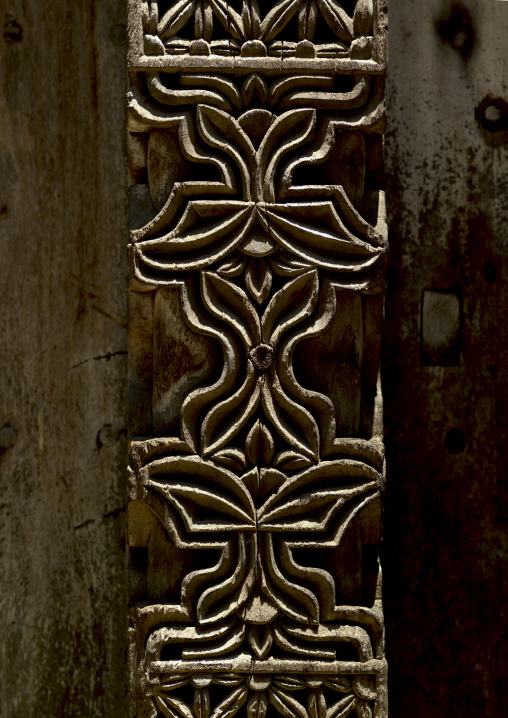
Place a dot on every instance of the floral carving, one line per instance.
(257, 692)
(251, 218)
(253, 33)
(258, 238)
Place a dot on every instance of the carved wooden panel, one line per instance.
(257, 258)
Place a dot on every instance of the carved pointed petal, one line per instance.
(206, 232)
(219, 129)
(292, 421)
(231, 304)
(226, 419)
(289, 131)
(191, 484)
(308, 501)
(289, 306)
(314, 231)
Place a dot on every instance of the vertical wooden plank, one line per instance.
(63, 355)
(445, 561)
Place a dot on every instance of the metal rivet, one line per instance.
(492, 114)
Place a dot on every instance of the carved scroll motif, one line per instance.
(257, 256)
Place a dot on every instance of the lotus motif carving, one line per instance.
(256, 223)
(257, 519)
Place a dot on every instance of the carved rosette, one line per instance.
(257, 256)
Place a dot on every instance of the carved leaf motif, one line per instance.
(343, 707)
(251, 18)
(203, 21)
(226, 597)
(228, 417)
(307, 20)
(259, 444)
(293, 600)
(314, 232)
(198, 501)
(260, 640)
(231, 704)
(206, 497)
(229, 18)
(286, 704)
(257, 705)
(228, 679)
(253, 443)
(267, 446)
(289, 131)
(253, 86)
(309, 502)
(292, 421)
(277, 19)
(209, 229)
(222, 85)
(176, 17)
(363, 18)
(307, 507)
(230, 303)
(177, 680)
(289, 683)
(258, 280)
(233, 267)
(174, 707)
(337, 19)
(291, 461)
(289, 306)
(201, 704)
(221, 130)
(338, 683)
(317, 704)
(286, 265)
(233, 458)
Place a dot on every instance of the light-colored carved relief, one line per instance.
(257, 256)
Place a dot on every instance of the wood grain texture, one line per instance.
(63, 357)
(446, 542)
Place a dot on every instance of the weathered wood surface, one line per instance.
(446, 534)
(257, 257)
(63, 347)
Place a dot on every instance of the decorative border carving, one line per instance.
(257, 231)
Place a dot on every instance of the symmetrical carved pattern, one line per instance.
(257, 258)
